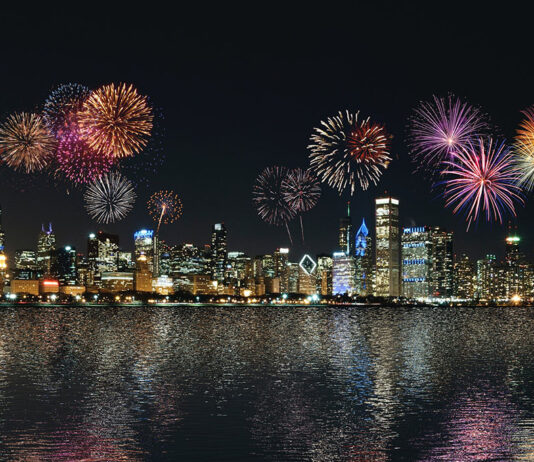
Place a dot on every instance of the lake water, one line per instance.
(266, 383)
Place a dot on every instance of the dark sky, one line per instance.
(241, 89)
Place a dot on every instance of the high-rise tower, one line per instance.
(2, 234)
(46, 244)
(219, 252)
(345, 238)
(387, 253)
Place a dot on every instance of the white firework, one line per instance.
(110, 198)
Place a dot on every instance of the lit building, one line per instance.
(25, 286)
(464, 278)
(363, 252)
(146, 244)
(46, 244)
(417, 262)
(324, 274)
(293, 271)
(125, 262)
(514, 278)
(65, 267)
(48, 286)
(188, 259)
(239, 268)
(2, 234)
(280, 263)
(343, 274)
(387, 252)
(487, 278)
(163, 285)
(142, 275)
(346, 235)
(116, 281)
(307, 276)
(102, 254)
(442, 263)
(218, 252)
(26, 259)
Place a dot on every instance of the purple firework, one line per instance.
(268, 197)
(439, 127)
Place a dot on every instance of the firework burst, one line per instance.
(346, 151)
(110, 198)
(76, 161)
(482, 180)
(268, 196)
(25, 142)
(62, 104)
(441, 126)
(524, 160)
(525, 132)
(116, 120)
(164, 207)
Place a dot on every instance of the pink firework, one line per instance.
(76, 161)
(482, 180)
(442, 126)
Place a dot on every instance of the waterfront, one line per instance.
(266, 383)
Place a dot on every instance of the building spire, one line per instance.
(348, 208)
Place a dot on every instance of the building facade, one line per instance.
(387, 247)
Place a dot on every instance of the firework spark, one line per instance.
(25, 142)
(76, 161)
(440, 127)
(110, 198)
(116, 120)
(482, 180)
(268, 197)
(524, 160)
(345, 151)
(525, 132)
(164, 207)
(62, 104)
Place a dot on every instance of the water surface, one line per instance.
(261, 383)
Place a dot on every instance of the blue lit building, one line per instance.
(343, 274)
(363, 261)
(416, 262)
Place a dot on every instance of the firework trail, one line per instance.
(26, 143)
(482, 180)
(164, 207)
(110, 198)
(346, 151)
(301, 191)
(269, 200)
(442, 126)
(63, 103)
(116, 120)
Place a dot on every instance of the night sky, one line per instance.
(241, 89)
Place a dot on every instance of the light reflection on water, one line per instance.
(234, 383)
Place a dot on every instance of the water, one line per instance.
(260, 383)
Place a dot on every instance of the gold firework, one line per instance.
(116, 120)
(525, 132)
(25, 142)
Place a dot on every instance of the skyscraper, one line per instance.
(442, 263)
(346, 235)
(103, 252)
(280, 263)
(65, 265)
(387, 242)
(46, 244)
(363, 261)
(343, 274)
(417, 262)
(324, 274)
(146, 244)
(2, 234)
(464, 278)
(514, 270)
(219, 252)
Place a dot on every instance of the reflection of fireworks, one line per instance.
(116, 120)
(439, 127)
(76, 161)
(482, 180)
(109, 198)
(164, 207)
(346, 150)
(269, 199)
(62, 103)
(25, 142)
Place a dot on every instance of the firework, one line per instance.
(62, 104)
(440, 127)
(25, 142)
(482, 180)
(110, 198)
(268, 197)
(524, 161)
(76, 161)
(525, 132)
(164, 207)
(346, 151)
(116, 120)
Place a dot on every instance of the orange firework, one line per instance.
(116, 120)
(164, 207)
(25, 142)
(525, 132)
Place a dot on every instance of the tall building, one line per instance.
(102, 253)
(442, 263)
(387, 243)
(417, 262)
(464, 278)
(219, 253)
(145, 243)
(65, 267)
(26, 259)
(306, 276)
(324, 274)
(514, 277)
(2, 234)
(346, 235)
(142, 275)
(487, 278)
(46, 245)
(363, 251)
(343, 274)
(280, 264)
